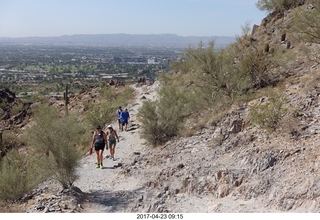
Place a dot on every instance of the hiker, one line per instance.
(112, 137)
(119, 111)
(99, 141)
(125, 118)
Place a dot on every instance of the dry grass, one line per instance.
(194, 125)
(310, 81)
(11, 208)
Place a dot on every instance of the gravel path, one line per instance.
(109, 190)
(106, 190)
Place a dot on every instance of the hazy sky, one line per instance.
(28, 18)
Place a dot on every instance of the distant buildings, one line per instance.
(153, 61)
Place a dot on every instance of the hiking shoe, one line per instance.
(98, 166)
(101, 166)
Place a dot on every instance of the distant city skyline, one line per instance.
(38, 18)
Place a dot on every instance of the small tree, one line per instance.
(278, 5)
(164, 119)
(150, 120)
(111, 99)
(305, 24)
(57, 135)
(18, 175)
(215, 75)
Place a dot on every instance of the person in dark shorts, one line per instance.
(125, 118)
(99, 141)
(112, 140)
(119, 111)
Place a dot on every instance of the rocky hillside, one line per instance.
(13, 110)
(253, 169)
(231, 165)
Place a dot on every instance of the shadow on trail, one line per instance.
(131, 129)
(108, 168)
(113, 201)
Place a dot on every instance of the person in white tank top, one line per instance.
(112, 140)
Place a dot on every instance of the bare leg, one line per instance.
(97, 152)
(100, 156)
(112, 151)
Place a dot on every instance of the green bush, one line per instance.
(164, 119)
(305, 23)
(16, 108)
(101, 114)
(105, 111)
(215, 77)
(152, 130)
(253, 64)
(57, 136)
(269, 113)
(3, 104)
(278, 5)
(18, 175)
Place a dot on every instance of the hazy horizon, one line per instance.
(55, 18)
(121, 40)
(113, 34)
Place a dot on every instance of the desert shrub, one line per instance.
(105, 111)
(291, 125)
(10, 141)
(16, 108)
(215, 78)
(150, 120)
(278, 5)
(18, 175)
(100, 114)
(310, 82)
(163, 119)
(305, 23)
(4, 104)
(57, 136)
(268, 114)
(88, 105)
(253, 64)
(173, 109)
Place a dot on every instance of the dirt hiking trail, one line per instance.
(106, 190)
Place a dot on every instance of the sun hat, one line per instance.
(109, 126)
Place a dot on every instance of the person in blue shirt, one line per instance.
(119, 111)
(125, 118)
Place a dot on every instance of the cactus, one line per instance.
(0, 140)
(66, 99)
(266, 48)
(283, 37)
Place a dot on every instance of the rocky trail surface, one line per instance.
(107, 189)
(224, 167)
(142, 179)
